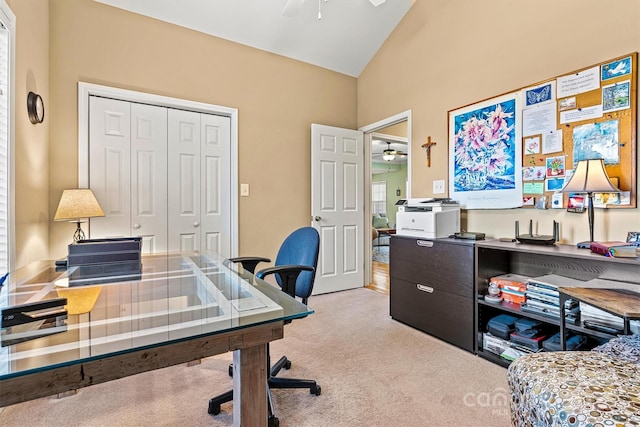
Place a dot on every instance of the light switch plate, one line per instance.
(438, 186)
(244, 190)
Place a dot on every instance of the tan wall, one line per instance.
(31, 148)
(446, 54)
(277, 99)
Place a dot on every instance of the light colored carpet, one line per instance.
(374, 371)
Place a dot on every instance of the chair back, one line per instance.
(301, 247)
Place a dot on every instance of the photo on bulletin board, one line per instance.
(485, 154)
(633, 237)
(596, 141)
(555, 166)
(576, 202)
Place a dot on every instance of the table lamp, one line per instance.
(589, 177)
(76, 204)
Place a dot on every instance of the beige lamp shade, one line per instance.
(590, 176)
(76, 204)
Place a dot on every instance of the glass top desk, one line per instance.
(175, 309)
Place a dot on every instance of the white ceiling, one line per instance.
(344, 40)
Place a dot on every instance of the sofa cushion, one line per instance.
(574, 388)
(625, 347)
(380, 221)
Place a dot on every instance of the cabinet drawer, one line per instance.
(442, 314)
(439, 264)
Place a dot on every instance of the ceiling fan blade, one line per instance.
(376, 3)
(292, 8)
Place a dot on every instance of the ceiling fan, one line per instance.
(292, 7)
(389, 154)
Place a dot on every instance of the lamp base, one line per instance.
(584, 245)
(79, 234)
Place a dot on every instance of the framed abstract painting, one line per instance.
(485, 153)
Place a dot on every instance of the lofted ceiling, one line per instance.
(344, 40)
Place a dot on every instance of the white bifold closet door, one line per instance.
(162, 174)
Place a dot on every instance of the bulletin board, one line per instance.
(520, 148)
(595, 117)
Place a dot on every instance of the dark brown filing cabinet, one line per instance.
(432, 287)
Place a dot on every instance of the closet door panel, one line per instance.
(110, 171)
(149, 176)
(184, 185)
(216, 176)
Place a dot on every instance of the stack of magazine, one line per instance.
(543, 296)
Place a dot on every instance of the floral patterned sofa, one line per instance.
(600, 387)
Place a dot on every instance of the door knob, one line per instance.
(317, 218)
(196, 224)
(136, 226)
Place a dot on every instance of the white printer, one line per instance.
(428, 218)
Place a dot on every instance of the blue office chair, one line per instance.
(295, 272)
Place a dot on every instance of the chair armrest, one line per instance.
(288, 275)
(249, 263)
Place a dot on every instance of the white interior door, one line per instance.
(337, 197)
(110, 159)
(216, 175)
(128, 158)
(184, 185)
(199, 171)
(149, 176)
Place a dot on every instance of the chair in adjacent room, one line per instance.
(294, 271)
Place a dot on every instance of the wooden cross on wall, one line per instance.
(427, 145)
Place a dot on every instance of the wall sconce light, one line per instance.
(35, 108)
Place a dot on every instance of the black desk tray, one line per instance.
(100, 251)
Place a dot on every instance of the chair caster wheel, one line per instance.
(287, 365)
(316, 390)
(273, 421)
(213, 409)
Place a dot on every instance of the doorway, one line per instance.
(387, 177)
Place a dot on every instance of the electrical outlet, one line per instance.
(438, 186)
(244, 190)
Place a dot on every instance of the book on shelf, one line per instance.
(604, 248)
(511, 281)
(553, 281)
(625, 251)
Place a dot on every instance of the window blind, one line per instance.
(379, 197)
(4, 148)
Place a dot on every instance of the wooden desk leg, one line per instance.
(249, 386)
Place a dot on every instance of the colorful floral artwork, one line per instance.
(555, 166)
(485, 148)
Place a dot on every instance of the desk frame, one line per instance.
(249, 345)
(607, 299)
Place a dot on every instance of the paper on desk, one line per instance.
(245, 304)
